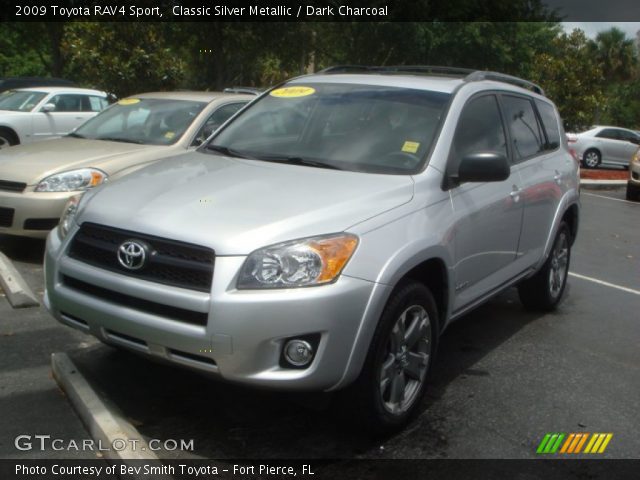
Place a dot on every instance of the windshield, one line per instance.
(20, 101)
(366, 128)
(148, 121)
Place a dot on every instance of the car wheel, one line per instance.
(7, 138)
(633, 192)
(591, 158)
(394, 376)
(544, 290)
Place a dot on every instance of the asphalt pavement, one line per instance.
(503, 379)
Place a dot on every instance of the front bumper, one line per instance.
(634, 173)
(34, 213)
(245, 329)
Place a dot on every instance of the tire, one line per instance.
(543, 292)
(633, 192)
(392, 383)
(8, 138)
(591, 158)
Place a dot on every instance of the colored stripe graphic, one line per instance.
(598, 443)
(550, 443)
(573, 443)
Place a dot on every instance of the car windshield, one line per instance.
(20, 100)
(147, 121)
(366, 128)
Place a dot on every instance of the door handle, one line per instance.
(515, 193)
(557, 178)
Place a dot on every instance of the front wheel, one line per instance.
(544, 290)
(633, 192)
(394, 376)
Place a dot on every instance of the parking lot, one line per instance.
(504, 377)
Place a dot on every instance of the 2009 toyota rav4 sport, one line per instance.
(328, 233)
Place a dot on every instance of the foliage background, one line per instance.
(591, 81)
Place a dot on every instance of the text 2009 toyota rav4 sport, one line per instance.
(328, 233)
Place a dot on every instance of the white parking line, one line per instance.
(606, 284)
(609, 198)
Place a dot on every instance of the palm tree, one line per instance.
(616, 54)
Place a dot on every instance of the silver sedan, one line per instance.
(605, 145)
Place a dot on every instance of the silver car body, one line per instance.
(38, 124)
(480, 238)
(27, 165)
(613, 145)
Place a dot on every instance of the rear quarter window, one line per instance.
(550, 124)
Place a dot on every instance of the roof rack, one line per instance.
(502, 77)
(424, 69)
(246, 90)
(468, 75)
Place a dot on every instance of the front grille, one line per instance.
(40, 223)
(6, 216)
(170, 262)
(12, 186)
(146, 306)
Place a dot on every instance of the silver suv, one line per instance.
(328, 233)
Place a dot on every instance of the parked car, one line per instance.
(327, 235)
(633, 185)
(31, 115)
(37, 180)
(11, 83)
(604, 145)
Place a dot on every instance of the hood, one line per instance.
(32, 162)
(236, 206)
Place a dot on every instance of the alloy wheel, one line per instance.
(406, 360)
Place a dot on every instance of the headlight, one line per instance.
(300, 263)
(73, 180)
(636, 157)
(68, 216)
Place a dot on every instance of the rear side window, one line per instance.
(610, 133)
(550, 123)
(479, 129)
(526, 135)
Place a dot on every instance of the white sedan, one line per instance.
(31, 114)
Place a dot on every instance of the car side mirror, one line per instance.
(48, 107)
(483, 167)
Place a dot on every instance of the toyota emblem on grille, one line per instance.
(132, 254)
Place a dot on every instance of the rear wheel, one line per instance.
(394, 376)
(544, 290)
(591, 158)
(8, 138)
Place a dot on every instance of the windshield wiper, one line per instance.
(293, 160)
(118, 139)
(229, 152)
(75, 135)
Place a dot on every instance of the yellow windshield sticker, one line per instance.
(169, 135)
(292, 92)
(128, 101)
(410, 147)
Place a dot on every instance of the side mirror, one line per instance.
(48, 107)
(483, 167)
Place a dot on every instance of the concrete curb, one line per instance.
(105, 425)
(602, 184)
(15, 288)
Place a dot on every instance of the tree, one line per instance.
(571, 77)
(616, 55)
(122, 58)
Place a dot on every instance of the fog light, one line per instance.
(298, 352)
